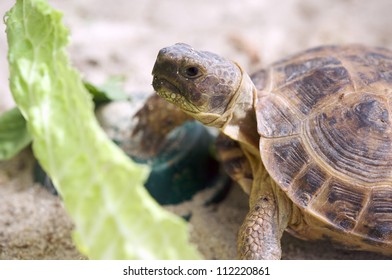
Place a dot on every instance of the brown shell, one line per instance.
(325, 121)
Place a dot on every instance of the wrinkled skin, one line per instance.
(218, 93)
(200, 83)
(309, 139)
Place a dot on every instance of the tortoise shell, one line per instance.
(324, 117)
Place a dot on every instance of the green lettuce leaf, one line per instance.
(111, 90)
(14, 135)
(102, 188)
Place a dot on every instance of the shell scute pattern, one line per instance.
(308, 184)
(287, 158)
(345, 201)
(354, 139)
(314, 83)
(329, 144)
(377, 220)
(276, 119)
(370, 69)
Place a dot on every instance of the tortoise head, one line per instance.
(201, 83)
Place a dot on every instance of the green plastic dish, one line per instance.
(184, 166)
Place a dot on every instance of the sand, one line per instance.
(123, 37)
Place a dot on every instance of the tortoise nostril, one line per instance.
(162, 52)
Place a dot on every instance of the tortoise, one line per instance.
(309, 138)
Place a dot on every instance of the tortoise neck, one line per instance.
(242, 125)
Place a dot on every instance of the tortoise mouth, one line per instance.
(163, 78)
(172, 93)
(164, 87)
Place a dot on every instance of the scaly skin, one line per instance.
(258, 238)
(218, 93)
(319, 122)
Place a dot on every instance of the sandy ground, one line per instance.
(122, 37)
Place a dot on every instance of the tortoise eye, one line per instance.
(191, 72)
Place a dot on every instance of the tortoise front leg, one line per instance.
(260, 234)
(268, 217)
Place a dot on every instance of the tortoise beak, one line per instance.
(163, 86)
(165, 74)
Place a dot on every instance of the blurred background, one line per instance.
(122, 38)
